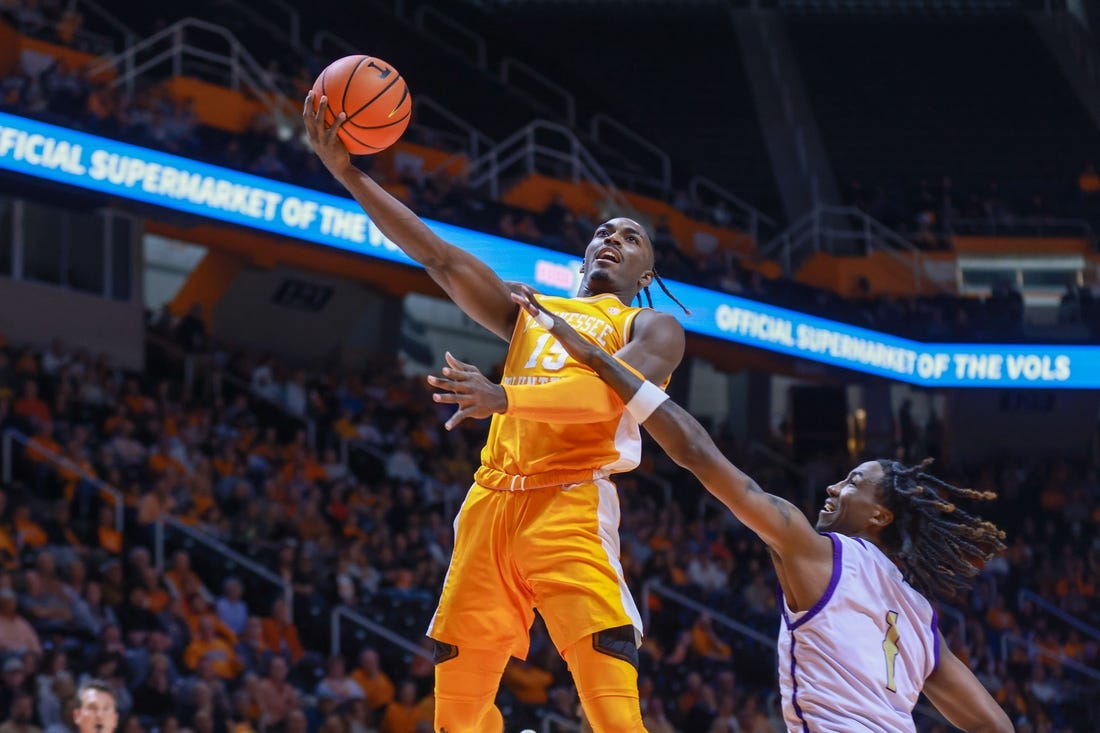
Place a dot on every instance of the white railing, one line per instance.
(343, 612)
(604, 130)
(1035, 653)
(428, 20)
(846, 230)
(1067, 618)
(11, 435)
(188, 366)
(177, 47)
(553, 719)
(514, 72)
(321, 38)
(278, 17)
(651, 587)
(745, 215)
(522, 152)
(958, 616)
(222, 549)
(450, 127)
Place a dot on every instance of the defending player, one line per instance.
(858, 642)
(539, 527)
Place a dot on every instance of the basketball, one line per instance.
(374, 97)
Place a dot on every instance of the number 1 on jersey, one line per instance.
(890, 649)
(555, 354)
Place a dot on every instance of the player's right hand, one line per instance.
(323, 139)
(575, 345)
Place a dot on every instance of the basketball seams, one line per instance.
(348, 82)
(351, 132)
(374, 99)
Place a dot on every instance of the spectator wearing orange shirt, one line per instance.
(705, 641)
(276, 697)
(108, 538)
(376, 685)
(207, 644)
(180, 576)
(527, 682)
(998, 617)
(280, 633)
(28, 533)
(404, 713)
(30, 406)
(156, 504)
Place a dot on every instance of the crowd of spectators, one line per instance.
(929, 213)
(45, 88)
(202, 644)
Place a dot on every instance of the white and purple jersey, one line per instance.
(857, 660)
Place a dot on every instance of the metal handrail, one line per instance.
(476, 139)
(523, 146)
(1068, 618)
(754, 217)
(222, 549)
(509, 63)
(291, 32)
(481, 56)
(11, 434)
(377, 628)
(562, 723)
(1034, 652)
(959, 616)
(655, 586)
(342, 43)
(812, 229)
(127, 32)
(188, 362)
(242, 67)
(600, 121)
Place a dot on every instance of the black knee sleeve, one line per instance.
(443, 652)
(617, 642)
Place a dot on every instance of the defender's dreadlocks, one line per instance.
(649, 298)
(938, 546)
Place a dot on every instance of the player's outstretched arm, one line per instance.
(777, 521)
(962, 699)
(468, 281)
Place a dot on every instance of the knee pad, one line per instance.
(619, 643)
(605, 672)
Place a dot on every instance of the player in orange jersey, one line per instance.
(539, 526)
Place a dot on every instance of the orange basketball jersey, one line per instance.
(525, 454)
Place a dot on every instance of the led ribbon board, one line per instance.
(120, 169)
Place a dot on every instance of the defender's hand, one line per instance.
(323, 139)
(575, 345)
(464, 385)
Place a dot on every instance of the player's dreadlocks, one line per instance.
(649, 298)
(938, 546)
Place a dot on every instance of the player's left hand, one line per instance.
(464, 385)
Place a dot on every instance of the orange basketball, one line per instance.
(373, 95)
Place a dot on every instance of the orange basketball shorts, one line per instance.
(554, 548)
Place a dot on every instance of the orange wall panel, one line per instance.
(216, 106)
(74, 59)
(886, 274)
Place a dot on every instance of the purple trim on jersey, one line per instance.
(935, 639)
(833, 581)
(860, 541)
(794, 686)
